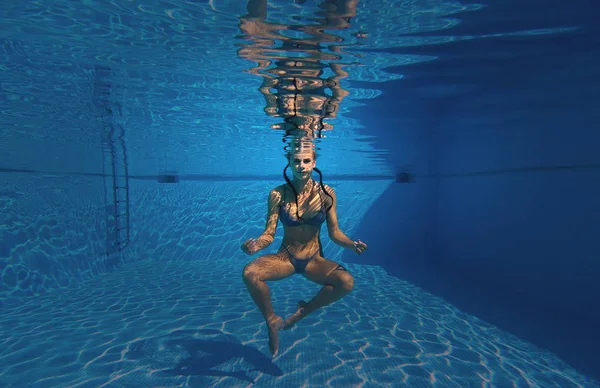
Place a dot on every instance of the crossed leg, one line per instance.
(255, 275)
(336, 281)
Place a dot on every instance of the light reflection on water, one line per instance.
(185, 94)
(302, 65)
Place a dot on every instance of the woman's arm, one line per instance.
(335, 234)
(253, 245)
(268, 236)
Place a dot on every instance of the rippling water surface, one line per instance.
(181, 77)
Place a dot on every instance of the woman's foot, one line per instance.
(295, 317)
(274, 324)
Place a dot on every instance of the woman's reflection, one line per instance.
(294, 84)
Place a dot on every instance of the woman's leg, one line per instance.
(336, 281)
(255, 275)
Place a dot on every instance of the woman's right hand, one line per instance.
(249, 246)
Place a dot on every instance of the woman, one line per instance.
(302, 205)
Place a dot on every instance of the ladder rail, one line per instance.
(114, 162)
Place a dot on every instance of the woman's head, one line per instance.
(302, 163)
(302, 158)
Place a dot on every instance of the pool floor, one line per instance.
(155, 323)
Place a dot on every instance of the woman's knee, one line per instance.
(250, 273)
(346, 282)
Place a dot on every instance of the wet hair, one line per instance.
(289, 182)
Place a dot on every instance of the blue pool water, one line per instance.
(137, 152)
(175, 312)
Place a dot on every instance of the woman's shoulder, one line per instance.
(329, 189)
(279, 189)
(276, 194)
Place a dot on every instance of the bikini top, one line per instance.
(316, 220)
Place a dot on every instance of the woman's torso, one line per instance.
(301, 236)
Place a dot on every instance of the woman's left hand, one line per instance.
(359, 247)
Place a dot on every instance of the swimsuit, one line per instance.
(299, 264)
(316, 220)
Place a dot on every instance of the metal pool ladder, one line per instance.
(114, 164)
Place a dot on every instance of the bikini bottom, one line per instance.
(300, 264)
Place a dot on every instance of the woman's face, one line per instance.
(302, 164)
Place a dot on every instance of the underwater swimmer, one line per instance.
(302, 205)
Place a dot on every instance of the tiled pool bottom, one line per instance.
(192, 324)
